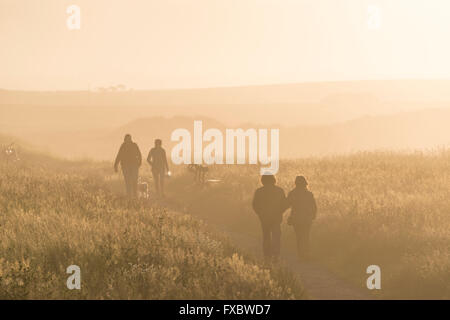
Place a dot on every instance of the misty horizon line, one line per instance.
(268, 84)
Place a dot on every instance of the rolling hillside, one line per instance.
(425, 129)
(320, 103)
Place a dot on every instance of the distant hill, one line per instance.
(424, 129)
(314, 118)
(403, 131)
(318, 103)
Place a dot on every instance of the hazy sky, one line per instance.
(147, 44)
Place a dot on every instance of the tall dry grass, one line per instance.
(56, 213)
(387, 209)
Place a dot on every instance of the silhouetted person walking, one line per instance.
(130, 160)
(303, 212)
(269, 203)
(158, 160)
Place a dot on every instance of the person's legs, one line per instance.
(302, 231)
(305, 238)
(134, 174)
(298, 238)
(161, 182)
(276, 240)
(126, 177)
(266, 241)
(156, 179)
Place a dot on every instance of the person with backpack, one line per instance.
(303, 212)
(130, 159)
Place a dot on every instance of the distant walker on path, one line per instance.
(158, 161)
(129, 157)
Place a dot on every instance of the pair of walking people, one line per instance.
(270, 202)
(130, 159)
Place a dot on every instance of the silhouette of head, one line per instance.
(158, 142)
(127, 138)
(268, 180)
(300, 182)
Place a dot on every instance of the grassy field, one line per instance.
(386, 209)
(56, 213)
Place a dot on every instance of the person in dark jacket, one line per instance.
(303, 212)
(269, 203)
(129, 157)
